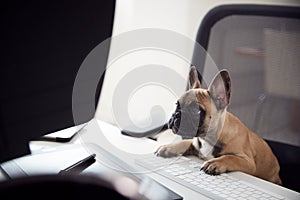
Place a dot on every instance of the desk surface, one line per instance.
(114, 140)
(110, 138)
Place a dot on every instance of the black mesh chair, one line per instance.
(289, 159)
(218, 34)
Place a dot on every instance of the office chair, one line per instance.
(258, 74)
(281, 66)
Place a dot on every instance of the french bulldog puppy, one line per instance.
(216, 135)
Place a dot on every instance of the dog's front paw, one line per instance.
(167, 151)
(213, 167)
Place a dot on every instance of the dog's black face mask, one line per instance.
(187, 120)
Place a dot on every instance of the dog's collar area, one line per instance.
(196, 143)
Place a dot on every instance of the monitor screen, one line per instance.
(43, 44)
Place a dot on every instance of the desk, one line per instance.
(114, 140)
(126, 148)
(123, 146)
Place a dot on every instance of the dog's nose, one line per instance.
(174, 119)
(175, 116)
(174, 123)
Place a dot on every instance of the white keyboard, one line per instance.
(186, 171)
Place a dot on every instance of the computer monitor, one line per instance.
(43, 44)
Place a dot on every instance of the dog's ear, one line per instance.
(193, 78)
(220, 89)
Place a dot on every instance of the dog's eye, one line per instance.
(199, 111)
(195, 109)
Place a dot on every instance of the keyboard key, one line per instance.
(223, 195)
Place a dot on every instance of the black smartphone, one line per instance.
(64, 135)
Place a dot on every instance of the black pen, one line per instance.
(80, 165)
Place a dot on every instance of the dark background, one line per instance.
(43, 44)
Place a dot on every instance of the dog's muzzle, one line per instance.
(187, 120)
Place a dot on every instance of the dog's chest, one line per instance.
(204, 148)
